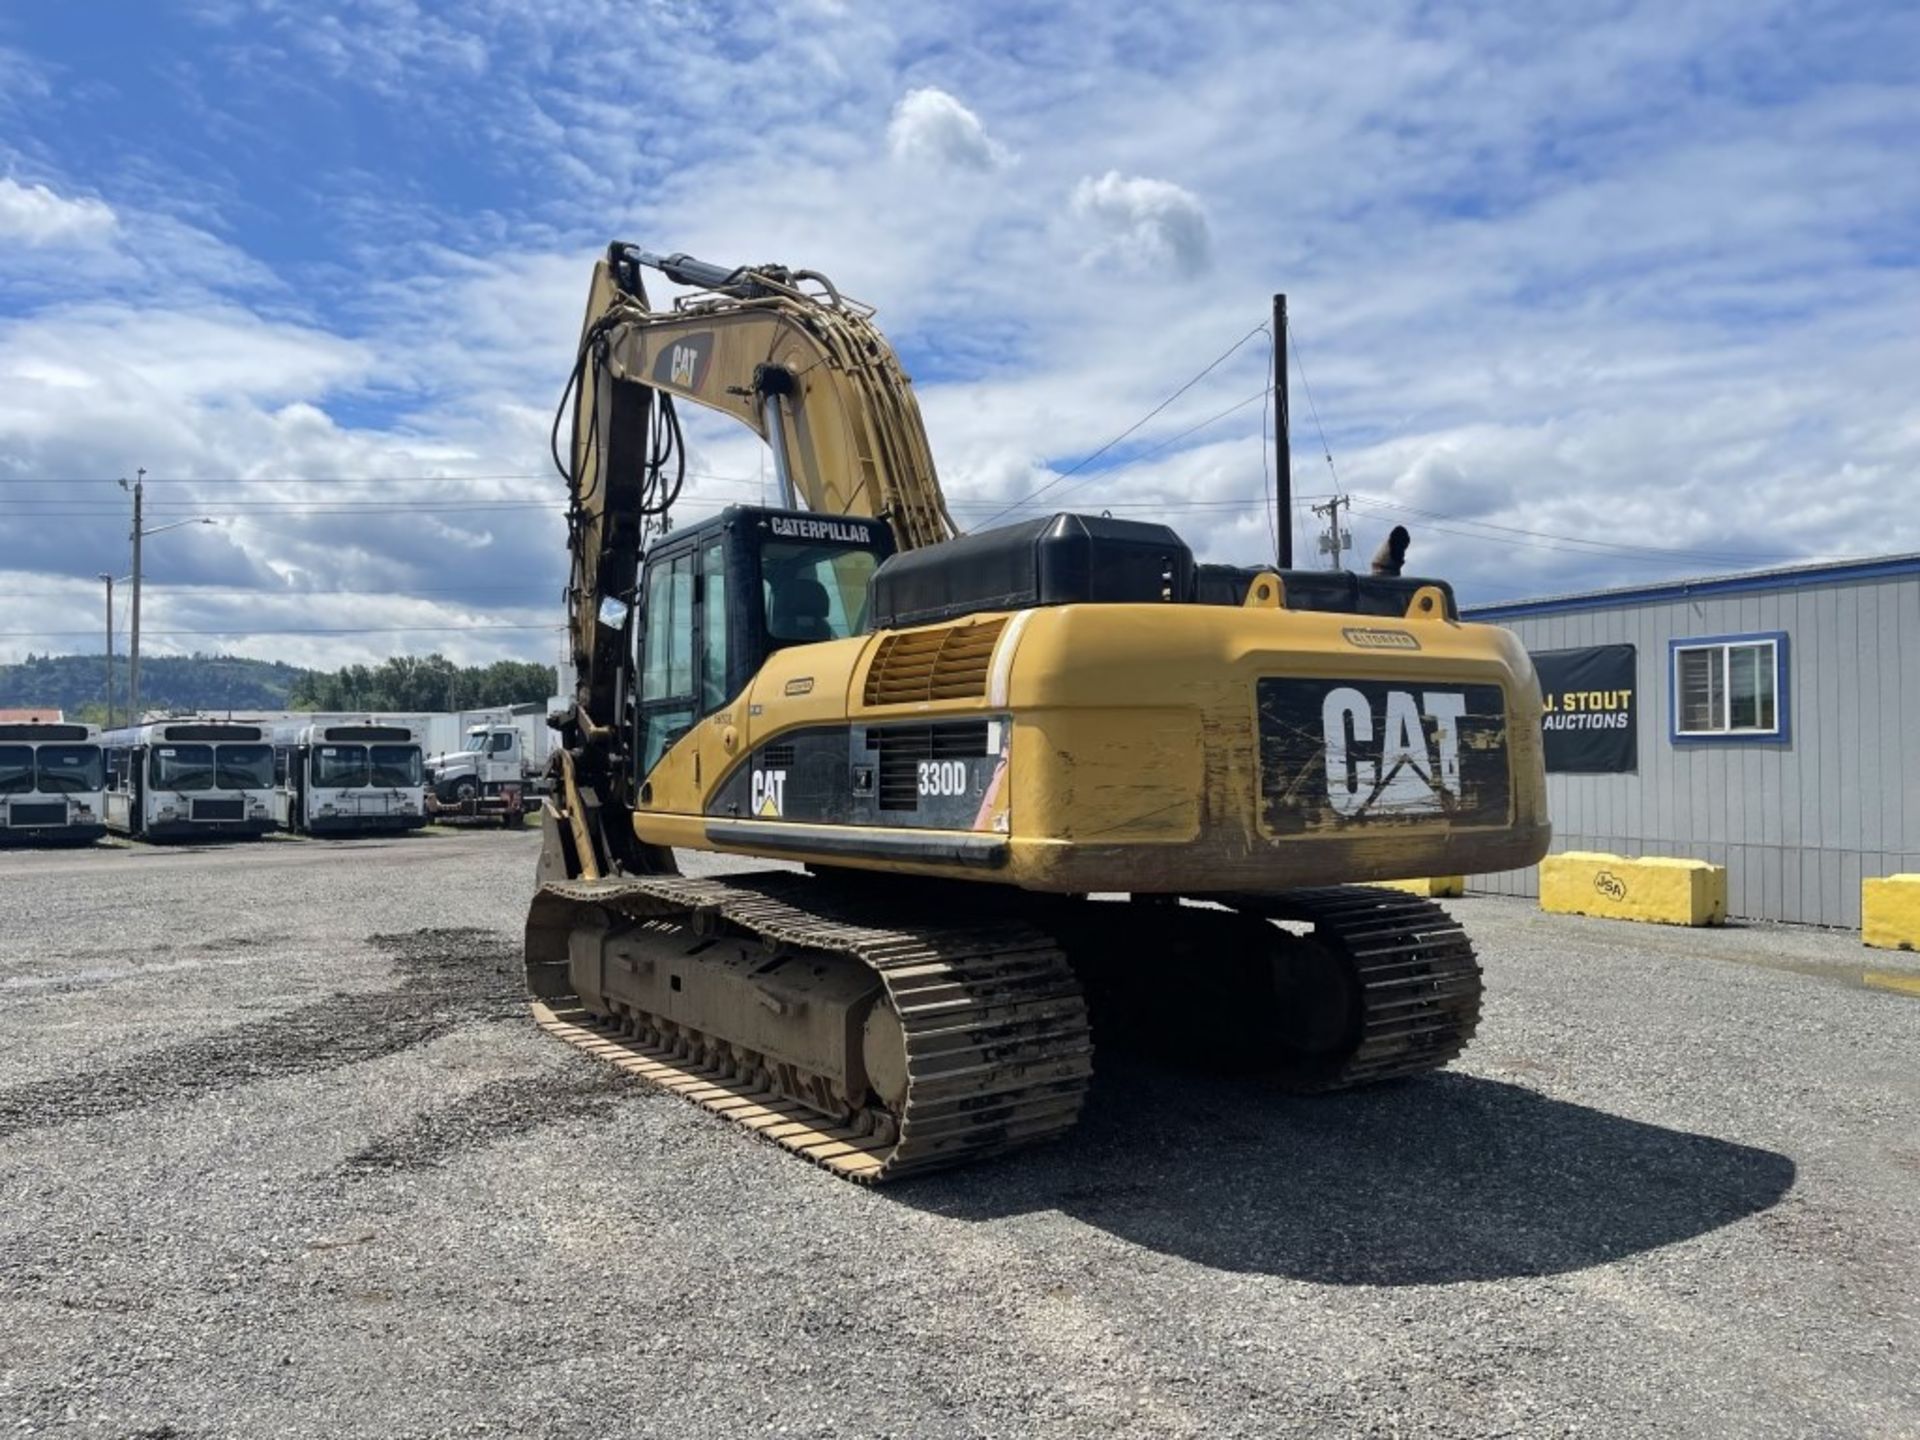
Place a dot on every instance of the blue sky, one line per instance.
(1583, 298)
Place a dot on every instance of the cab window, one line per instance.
(70, 769)
(668, 668)
(16, 769)
(713, 628)
(814, 592)
(342, 767)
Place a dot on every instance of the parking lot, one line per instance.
(281, 1154)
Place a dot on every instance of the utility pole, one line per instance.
(1283, 445)
(107, 576)
(1336, 539)
(140, 532)
(133, 650)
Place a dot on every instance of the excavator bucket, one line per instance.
(550, 919)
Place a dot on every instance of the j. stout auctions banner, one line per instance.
(1589, 697)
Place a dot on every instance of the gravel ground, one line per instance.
(279, 1154)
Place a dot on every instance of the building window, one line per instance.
(1730, 687)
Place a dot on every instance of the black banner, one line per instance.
(1590, 697)
(1341, 753)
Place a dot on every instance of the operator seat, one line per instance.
(797, 609)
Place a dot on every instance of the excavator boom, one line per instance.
(782, 352)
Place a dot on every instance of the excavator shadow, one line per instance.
(1432, 1181)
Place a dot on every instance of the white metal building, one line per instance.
(1774, 727)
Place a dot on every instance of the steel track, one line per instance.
(1416, 980)
(998, 1048)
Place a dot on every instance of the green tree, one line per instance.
(431, 682)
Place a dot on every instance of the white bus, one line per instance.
(189, 779)
(52, 784)
(348, 778)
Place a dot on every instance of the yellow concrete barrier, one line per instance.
(1890, 912)
(1434, 887)
(1652, 888)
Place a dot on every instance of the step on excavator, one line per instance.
(1032, 779)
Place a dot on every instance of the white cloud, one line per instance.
(66, 365)
(1437, 480)
(930, 127)
(1146, 224)
(35, 215)
(22, 81)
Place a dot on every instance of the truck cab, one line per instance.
(490, 774)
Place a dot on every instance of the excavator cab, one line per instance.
(719, 597)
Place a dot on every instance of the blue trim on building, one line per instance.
(1782, 699)
(1796, 579)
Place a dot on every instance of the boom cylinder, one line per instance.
(774, 381)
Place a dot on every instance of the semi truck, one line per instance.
(496, 773)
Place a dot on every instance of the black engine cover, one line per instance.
(1060, 560)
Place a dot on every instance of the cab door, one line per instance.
(691, 655)
(502, 758)
(668, 695)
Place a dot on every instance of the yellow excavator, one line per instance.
(1033, 780)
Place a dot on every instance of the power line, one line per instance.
(1088, 460)
(1248, 503)
(242, 510)
(1624, 557)
(327, 479)
(273, 479)
(1464, 527)
(178, 591)
(1443, 522)
(1312, 409)
(226, 510)
(1260, 394)
(348, 505)
(307, 512)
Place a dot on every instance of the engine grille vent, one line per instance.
(949, 663)
(901, 748)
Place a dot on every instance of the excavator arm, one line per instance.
(806, 370)
(782, 352)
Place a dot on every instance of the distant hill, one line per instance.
(213, 683)
(184, 682)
